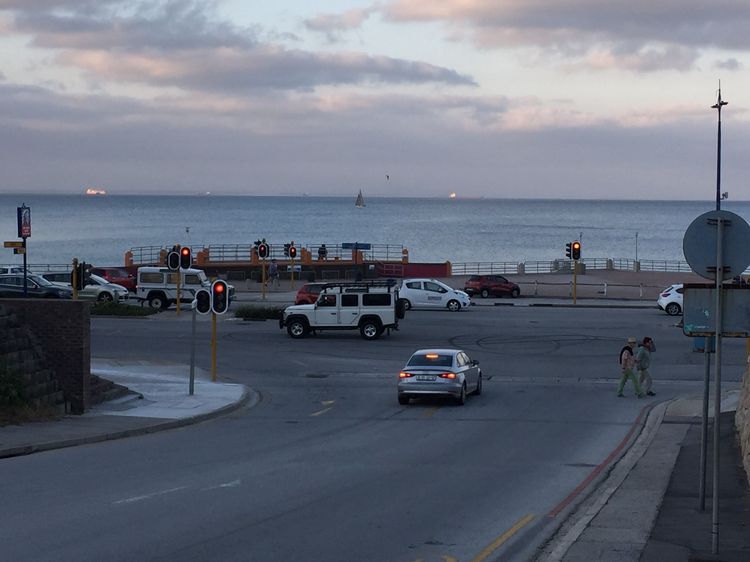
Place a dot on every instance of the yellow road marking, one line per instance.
(499, 541)
(323, 411)
(447, 558)
(431, 412)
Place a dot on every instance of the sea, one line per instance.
(100, 229)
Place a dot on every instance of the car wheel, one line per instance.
(515, 292)
(407, 304)
(157, 302)
(673, 309)
(370, 330)
(105, 297)
(461, 398)
(297, 329)
(454, 306)
(403, 399)
(485, 293)
(478, 391)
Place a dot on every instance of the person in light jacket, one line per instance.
(643, 362)
(627, 363)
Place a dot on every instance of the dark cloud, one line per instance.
(730, 64)
(181, 43)
(51, 142)
(577, 27)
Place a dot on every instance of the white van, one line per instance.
(158, 286)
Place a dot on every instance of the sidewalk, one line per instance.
(159, 400)
(647, 507)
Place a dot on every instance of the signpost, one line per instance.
(717, 246)
(23, 214)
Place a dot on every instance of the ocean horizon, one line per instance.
(100, 229)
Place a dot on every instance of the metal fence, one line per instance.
(566, 266)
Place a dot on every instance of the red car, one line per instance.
(117, 275)
(308, 293)
(491, 286)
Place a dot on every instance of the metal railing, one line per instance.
(484, 268)
(565, 266)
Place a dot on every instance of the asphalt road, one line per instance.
(328, 467)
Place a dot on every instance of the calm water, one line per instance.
(100, 229)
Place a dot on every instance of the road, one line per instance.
(327, 466)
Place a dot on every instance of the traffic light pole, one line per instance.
(263, 277)
(575, 279)
(179, 279)
(74, 279)
(213, 347)
(192, 354)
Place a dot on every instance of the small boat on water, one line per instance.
(95, 191)
(360, 203)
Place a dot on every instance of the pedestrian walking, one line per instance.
(643, 362)
(273, 274)
(627, 363)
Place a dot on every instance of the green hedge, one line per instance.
(258, 313)
(11, 386)
(115, 309)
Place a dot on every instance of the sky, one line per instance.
(419, 98)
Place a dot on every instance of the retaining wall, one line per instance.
(742, 420)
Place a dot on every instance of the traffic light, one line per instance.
(82, 276)
(292, 251)
(173, 260)
(286, 250)
(203, 301)
(568, 251)
(262, 250)
(186, 257)
(219, 296)
(576, 253)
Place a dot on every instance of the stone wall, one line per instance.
(742, 420)
(63, 329)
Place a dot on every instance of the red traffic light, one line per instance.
(186, 257)
(292, 252)
(263, 250)
(219, 297)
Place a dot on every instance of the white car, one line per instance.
(98, 288)
(431, 293)
(670, 299)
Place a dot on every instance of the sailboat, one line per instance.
(360, 203)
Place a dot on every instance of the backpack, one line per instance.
(628, 348)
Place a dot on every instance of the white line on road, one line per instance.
(149, 496)
(232, 484)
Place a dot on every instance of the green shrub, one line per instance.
(258, 312)
(115, 309)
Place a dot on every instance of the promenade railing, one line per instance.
(566, 266)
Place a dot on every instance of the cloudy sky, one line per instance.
(485, 98)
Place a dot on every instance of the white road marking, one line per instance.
(149, 496)
(232, 484)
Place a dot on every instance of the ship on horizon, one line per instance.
(95, 191)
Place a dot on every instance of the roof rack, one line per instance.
(388, 283)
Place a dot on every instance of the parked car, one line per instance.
(11, 286)
(491, 286)
(6, 269)
(158, 285)
(670, 299)
(98, 288)
(431, 293)
(308, 293)
(439, 371)
(118, 275)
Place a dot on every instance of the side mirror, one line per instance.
(474, 362)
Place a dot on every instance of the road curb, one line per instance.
(572, 520)
(247, 394)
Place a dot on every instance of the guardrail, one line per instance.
(566, 266)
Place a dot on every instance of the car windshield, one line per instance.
(430, 360)
(99, 280)
(41, 281)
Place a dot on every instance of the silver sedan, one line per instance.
(439, 371)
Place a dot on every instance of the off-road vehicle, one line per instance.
(372, 307)
(158, 286)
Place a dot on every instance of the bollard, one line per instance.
(641, 290)
(605, 289)
(536, 291)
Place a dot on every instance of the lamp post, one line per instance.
(636, 246)
(717, 106)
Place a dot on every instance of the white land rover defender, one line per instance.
(158, 286)
(369, 306)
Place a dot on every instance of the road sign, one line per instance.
(356, 246)
(24, 221)
(12, 244)
(699, 244)
(699, 319)
(19, 250)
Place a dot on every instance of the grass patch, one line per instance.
(258, 312)
(115, 309)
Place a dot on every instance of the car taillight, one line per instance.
(448, 376)
(403, 375)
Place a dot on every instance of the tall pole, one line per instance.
(717, 385)
(717, 107)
